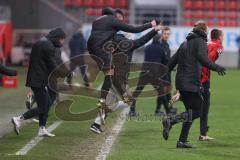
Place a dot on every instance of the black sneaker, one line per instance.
(173, 110)
(183, 145)
(159, 113)
(166, 127)
(132, 113)
(96, 128)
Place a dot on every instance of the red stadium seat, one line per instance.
(90, 12)
(220, 5)
(68, 3)
(78, 3)
(210, 23)
(188, 23)
(233, 15)
(111, 3)
(221, 15)
(188, 4)
(89, 3)
(100, 3)
(222, 23)
(199, 4)
(123, 4)
(209, 4)
(188, 14)
(232, 5)
(233, 23)
(199, 14)
(209, 14)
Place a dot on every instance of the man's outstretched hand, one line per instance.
(159, 27)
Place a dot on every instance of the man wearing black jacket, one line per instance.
(103, 30)
(122, 57)
(43, 60)
(190, 57)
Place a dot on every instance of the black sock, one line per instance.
(107, 84)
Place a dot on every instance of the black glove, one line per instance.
(221, 70)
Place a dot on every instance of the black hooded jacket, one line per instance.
(190, 57)
(105, 27)
(43, 59)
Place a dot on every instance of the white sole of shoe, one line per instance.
(16, 128)
(95, 131)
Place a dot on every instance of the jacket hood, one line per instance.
(54, 36)
(197, 34)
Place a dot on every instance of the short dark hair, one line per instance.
(107, 11)
(166, 28)
(215, 33)
(119, 11)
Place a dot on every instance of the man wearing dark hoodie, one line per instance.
(77, 46)
(103, 30)
(190, 57)
(43, 60)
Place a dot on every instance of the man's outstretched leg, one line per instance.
(44, 102)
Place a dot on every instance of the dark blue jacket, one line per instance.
(158, 52)
(155, 53)
(77, 44)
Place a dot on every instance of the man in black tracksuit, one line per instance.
(190, 57)
(103, 30)
(43, 60)
(121, 60)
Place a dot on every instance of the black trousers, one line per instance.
(205, 109)
(83, 69)
(156, 83)
(44, 98)
(192, 102)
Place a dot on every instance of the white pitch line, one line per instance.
(36, 140)
(106, 147)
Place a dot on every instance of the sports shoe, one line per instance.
(132, 113)
(166, 127)
(96, 128)
(44, 132)
(183, 145)
(173, 111)
(159, 113)
(205, 138)
(16, 121)
(103, 109)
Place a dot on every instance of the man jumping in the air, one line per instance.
(103, 30)
(121, 59)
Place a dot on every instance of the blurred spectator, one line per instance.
(77, 45)
(238, 42)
